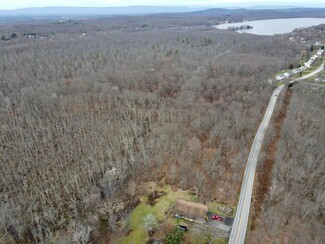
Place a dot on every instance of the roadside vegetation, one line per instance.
(293, 208)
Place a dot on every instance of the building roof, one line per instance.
(280, 77)
(190, 209)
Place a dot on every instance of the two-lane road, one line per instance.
(239, 228)
(316, 71)
(238, 231)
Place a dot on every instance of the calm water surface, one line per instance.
(274, 26)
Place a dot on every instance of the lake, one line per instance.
(274, 26)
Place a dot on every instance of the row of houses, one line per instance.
(282, 76)
(307, 64)
(293, 72)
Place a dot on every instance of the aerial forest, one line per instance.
(90, 109)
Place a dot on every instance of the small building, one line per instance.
(296, 71)
(309, 63)
(313, 57)
(192, 210)
(286, 75)
(279, 77)
(302, 68)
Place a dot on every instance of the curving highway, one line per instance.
(238, 231)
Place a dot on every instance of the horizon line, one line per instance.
(177, 6)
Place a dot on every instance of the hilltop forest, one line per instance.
(90, 109)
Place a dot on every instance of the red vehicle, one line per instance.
(217, 217)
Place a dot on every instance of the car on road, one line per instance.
(217, 217)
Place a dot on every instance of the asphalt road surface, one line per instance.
(320, 68)
(239, 228)
(238, 231)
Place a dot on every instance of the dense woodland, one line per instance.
(293, 210)
(85, 119)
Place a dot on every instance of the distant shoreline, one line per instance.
(271, 26)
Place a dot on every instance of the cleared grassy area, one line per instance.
(279, 83)
(214, 207)
(160, 209)
(139, 233)
(199, 239)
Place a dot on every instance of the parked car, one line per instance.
(217, 217)
(178, 216)
(182, 227)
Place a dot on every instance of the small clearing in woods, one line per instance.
(159, 201)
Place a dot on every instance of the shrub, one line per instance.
(176, 237)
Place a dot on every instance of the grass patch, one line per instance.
(279, 83)
(161, 207)
(197, 238)
(139, 233)
(306, 72)
(214, 207)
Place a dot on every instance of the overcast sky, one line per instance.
(13, 4)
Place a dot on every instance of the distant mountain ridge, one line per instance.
(180, 11)
(259, 14)
(131, 10)
(274, 7)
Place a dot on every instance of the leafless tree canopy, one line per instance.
(88, 115)
(293, 211)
